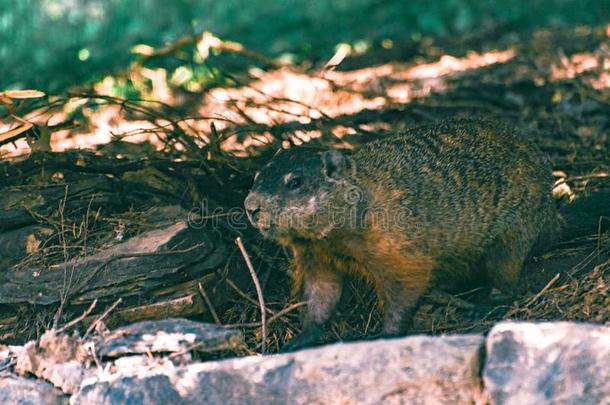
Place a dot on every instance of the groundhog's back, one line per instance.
(458, 186)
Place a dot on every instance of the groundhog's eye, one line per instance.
(294, 183)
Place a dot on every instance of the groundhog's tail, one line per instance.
(585, 216)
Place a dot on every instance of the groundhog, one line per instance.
(452, 203)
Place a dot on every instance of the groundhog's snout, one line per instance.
(255, 206)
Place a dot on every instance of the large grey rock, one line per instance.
(16, 390)
(413, 370)
(548, 363)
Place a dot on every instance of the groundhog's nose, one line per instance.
(253, 207)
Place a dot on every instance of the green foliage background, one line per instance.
(41, 40)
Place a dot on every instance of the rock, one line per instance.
(414, 370)
(548, 363)
(65, 360)
(17, 390)
(59, 359)
(168, 335)
(154, 389)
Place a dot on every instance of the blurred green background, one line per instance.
(53, 44)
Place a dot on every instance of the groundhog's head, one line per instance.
(303, 193)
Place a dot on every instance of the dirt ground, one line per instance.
(553, 85)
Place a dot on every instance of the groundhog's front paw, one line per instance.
(308, 338)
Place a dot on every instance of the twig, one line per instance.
(583, 263)
(80, 318)
(440, 297)
(578, 178)
(64, 293)
(599, 232)
(286, 310)
(209, 304)
(101, 317)
(259, 292)
(274, 318)
(546, 287)
(246, 296)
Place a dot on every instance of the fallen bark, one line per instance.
(133, 267)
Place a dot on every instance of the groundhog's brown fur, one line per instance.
(459, 202)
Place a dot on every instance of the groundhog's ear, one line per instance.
(333, 163)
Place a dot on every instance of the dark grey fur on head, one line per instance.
(294, 195)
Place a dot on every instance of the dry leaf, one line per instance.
(14, 132)
(19, 94)
(32, 244)
(143, 50)
(43, 142)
